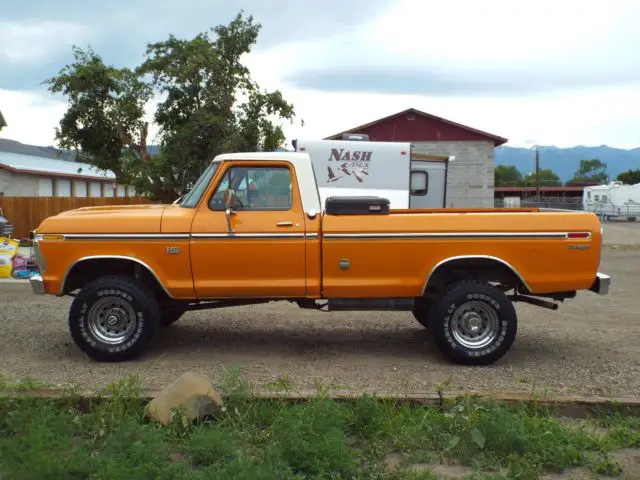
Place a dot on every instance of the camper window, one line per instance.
(419, 183)
(605, 198)
(597, 198)
(588, 195)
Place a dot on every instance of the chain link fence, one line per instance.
(605, 210)
(549, 202)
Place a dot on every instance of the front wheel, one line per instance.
(473, 323)
(171, 314)
(421, 310)
(113, 319)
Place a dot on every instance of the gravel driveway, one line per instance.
(590, 346)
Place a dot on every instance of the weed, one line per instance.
(28, 383)
(311, 438)
(604, 465)
(441, 387)
(281, 384)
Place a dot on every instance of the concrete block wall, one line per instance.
(471, 174)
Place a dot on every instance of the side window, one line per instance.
(256, 188)
(419, 183)
(596, 198)
(605, 198)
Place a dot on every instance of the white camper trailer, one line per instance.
(614, 200)
(355, 166)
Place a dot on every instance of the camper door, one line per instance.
(427, 184)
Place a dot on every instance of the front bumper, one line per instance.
(601, 284)
(37, 285)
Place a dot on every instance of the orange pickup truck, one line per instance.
(253, 230)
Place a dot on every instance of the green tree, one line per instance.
(630, 177)
(548, 178)
(210, 105)
(593, 170)
(507, 176)
(105, 111)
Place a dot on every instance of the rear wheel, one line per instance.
(114, 318)
(473, 323)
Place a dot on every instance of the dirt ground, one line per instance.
(590, 346)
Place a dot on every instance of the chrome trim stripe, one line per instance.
(247, 235)
(473, 257)
(410, 235)
(329, 236)
(125, 236)
(116, 257)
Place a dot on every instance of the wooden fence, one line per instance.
(26, 213)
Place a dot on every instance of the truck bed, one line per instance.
(396, 253)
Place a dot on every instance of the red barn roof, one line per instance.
(413, 125)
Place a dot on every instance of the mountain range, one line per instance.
(563, 161)
(12, 146)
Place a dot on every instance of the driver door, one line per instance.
(264, 253)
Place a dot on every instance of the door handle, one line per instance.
(284, 224)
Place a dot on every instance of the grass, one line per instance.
(258, 439)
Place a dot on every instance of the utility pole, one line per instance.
(537, 174)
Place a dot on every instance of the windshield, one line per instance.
(193, 197)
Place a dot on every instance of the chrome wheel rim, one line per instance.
(475, 324)
(112, 320)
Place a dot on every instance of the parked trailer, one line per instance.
(614, 200)
(355, 166)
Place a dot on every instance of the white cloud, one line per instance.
(593, 117)
(32, 40)
(469, 33)
(31, 116)
(483, 43)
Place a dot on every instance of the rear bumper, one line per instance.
(37, 285)
(601, 284)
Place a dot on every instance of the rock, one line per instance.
(192, 394)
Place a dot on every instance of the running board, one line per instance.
(369, 304)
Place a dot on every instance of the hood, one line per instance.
(106, 219)
(114, 209)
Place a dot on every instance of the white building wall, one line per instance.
(61, 187)
(107, 190)
(45, 187)
(15, 185)
(28, 185)
(79, 188)
(95, 189)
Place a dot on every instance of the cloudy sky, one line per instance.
(552, 72)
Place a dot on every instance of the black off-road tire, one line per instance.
(469, 297)
(132, 300)
(171, 314)
(421, 310)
